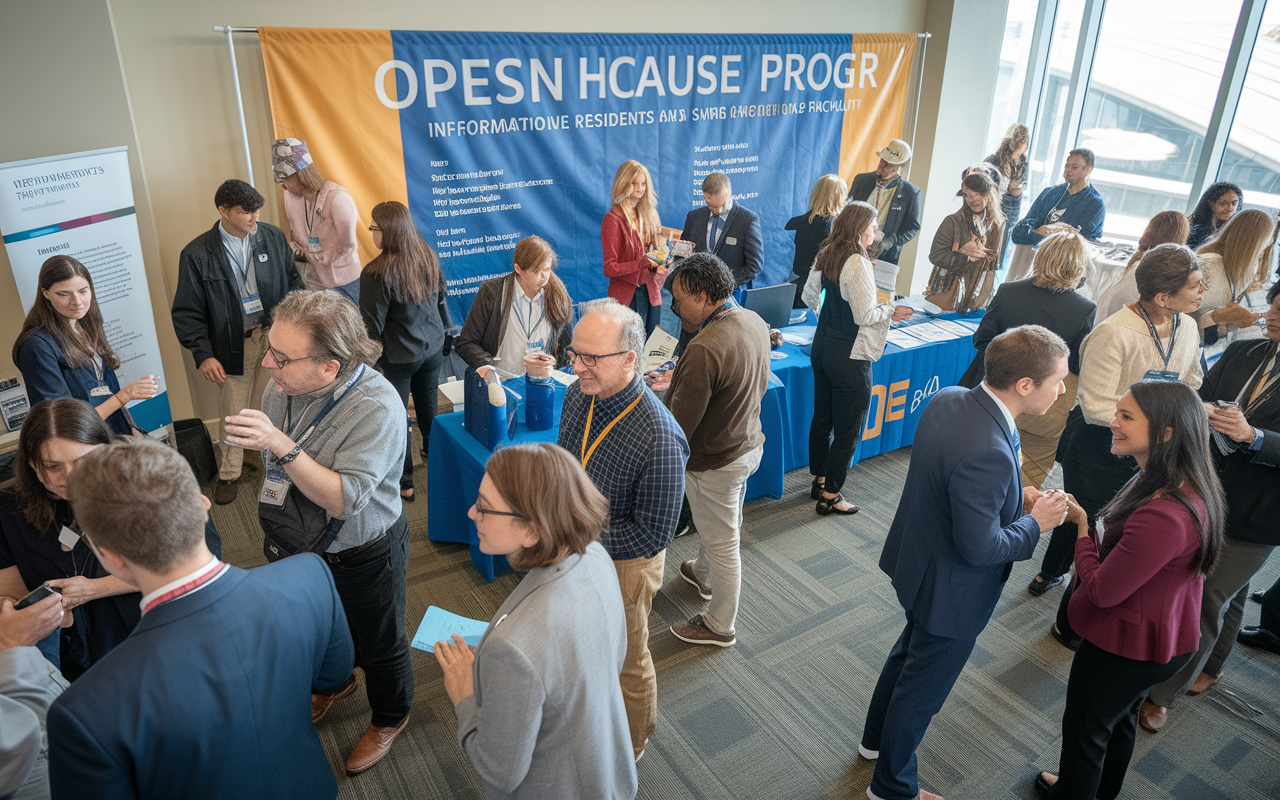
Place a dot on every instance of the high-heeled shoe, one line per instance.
(831, 505)
(815, 491)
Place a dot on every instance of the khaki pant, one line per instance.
(1040, 434)
(238, 393)
(715, 498)
(640, 579)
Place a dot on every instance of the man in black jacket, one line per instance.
(727, 229)
(230, 278)
(895, 198)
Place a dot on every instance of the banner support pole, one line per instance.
(235, 81)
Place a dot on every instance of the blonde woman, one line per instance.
(1047, 298)
(966, 247)
(322, 220)
(629, 230)
(826, 198)
(1232, 262)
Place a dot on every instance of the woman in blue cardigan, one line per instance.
(63, 351)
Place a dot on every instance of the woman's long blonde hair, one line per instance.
(1240, 241)
(647, 207)
(827, 197)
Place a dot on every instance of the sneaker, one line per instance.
(225, 492)
(870, 755)
(695, 631)
(1040, 584)
(686, 572)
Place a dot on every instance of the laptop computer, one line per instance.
(772, 303)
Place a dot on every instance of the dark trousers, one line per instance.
(841, 396)
(1270, 618)
(372, 588)
(1104, 694)
(422, 380)
(649, 314)
(1093, 475)
(915, 682)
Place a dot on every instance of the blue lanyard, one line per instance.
(1155, 336)
(333, 401)
(521, 319)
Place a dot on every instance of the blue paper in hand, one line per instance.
(438, 625)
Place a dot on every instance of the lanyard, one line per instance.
(243, 263)
(1155, 337)
(307, 212)
(97, 367)
(717, 315)
(585, 454)
(522, 319)
(333, 401)
(189, 586)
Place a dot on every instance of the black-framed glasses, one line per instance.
(373, 228)
(590, 359)
(282, 362)
(482, 511)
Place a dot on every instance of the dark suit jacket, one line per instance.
(1068, 314)
(209, 697)
(959, 525)
(740, 242)
(903, 220)
(1251, 480)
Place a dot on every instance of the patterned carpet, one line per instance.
(780, 714)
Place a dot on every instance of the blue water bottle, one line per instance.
(539, 402)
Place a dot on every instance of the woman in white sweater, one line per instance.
(852, 327)
(1152, 339)
(1232, 262)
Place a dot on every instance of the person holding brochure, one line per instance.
(630, 229)
(1232, 264)
(62, 350)
(526, 312)
(850, 337)
(540, 711)
(403, 303)
(966, 248)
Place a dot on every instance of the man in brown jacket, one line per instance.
(715, 395)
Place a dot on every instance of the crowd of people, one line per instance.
(1168, 468)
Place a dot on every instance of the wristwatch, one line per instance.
(291, 455)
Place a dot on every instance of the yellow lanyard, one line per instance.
(586, 454)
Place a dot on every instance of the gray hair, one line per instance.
(334, 324)
(631, 327)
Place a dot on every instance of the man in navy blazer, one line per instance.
(960, 526)
(210, 696)
(734, 233)
(895, 198)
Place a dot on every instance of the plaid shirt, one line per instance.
(638, 467)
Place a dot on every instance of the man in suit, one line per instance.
(895, 198)
(960, 526)
(209, 697)
(230, 279)
(727, 229)
(1246, 451)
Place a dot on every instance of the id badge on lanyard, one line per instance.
(252, 304)
(275, 487)
(101, 390)
(1165, 374)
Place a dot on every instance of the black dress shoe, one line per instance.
(1260, 638)
(1042, 786)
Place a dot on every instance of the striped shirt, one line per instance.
(638, 467)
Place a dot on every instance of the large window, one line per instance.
(1046, 135)
(1015, 54)
(1252, 160)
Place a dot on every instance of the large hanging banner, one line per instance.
(81, 205)
(491, 137)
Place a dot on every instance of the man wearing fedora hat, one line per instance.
(896, 198)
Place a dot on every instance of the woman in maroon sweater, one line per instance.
(1139, 581)
(629, 230)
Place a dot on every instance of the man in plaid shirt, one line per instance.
(635, 454)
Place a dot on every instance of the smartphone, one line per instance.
(32, 598)
(1226, 403)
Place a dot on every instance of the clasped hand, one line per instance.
(1048, 509)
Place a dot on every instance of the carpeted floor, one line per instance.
(780, 714)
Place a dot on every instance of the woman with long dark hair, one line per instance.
(528, 311)
(1218, 204)
(63, 350)
(852, 328)
(965, 248)
(1139, 578)
(1167, 227)
(403, 303)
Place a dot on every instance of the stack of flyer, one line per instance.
(938, 330)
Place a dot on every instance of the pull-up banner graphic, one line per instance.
(491, 137)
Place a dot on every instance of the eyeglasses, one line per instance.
(282, 362)
(373, 228)
(590, 359)
(482, 511)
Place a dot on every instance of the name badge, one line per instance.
(68, 538)
(275, 487)
(313, 244)
(252, 304)
(533, 347)
(730, 240)
(1160, 375)
(262, 257)
(101, 390)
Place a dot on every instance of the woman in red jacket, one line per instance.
(1139, 581)
(630, 229)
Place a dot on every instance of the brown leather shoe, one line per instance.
(320, 703)
(1152, 717)
(373, 747)
(1203, 683)
(225, 492)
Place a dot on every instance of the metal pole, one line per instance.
(923, 38)
(235, 81)
(1085, 49)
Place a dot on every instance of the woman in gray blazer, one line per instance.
(539, 706)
